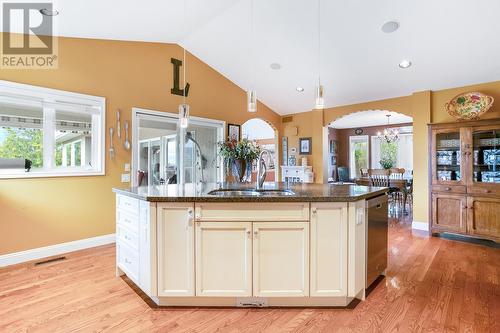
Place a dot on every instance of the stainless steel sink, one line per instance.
(234, 193)
(276, 192)
(250, 192)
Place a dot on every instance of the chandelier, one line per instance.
(389, 134)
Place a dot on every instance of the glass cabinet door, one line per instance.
(448, 157)
(486, 156)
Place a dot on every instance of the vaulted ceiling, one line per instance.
(449, 42)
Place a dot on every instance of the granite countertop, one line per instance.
(301, 193)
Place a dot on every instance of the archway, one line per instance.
(354, 143)
(266, 136)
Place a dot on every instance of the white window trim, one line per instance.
(48, 99)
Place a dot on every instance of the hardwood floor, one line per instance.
(432, 285)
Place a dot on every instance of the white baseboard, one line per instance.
(54, 250)
(420, 225)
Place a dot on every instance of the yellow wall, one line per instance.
(424, 107)
(41, 212)
(441, 97)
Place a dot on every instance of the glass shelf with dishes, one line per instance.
(448, 156)
(486, 152)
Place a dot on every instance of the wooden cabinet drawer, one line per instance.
(449, 189)
(127, 203)
(252, 212)
(484, 191)
(128, 261)
(125, 235)
(127, 219)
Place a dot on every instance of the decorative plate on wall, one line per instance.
(469, 106)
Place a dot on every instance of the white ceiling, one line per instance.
(370, 118)
(450, 42)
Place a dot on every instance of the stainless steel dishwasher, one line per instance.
(376, 238)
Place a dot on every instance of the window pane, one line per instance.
(21, 134)
(73, 135)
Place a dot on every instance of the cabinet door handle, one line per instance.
(255, 233)
(127, 261)
(314, 211)
(249, 233)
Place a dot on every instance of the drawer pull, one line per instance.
(487, 191)
(447, 189)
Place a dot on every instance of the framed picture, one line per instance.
(333, 147)
(234, 132)
(305, 147)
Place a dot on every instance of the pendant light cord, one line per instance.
(319, 42)
(252, 41)
(184, 57)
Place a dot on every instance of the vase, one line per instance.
(239, 169)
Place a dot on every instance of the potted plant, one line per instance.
(386, 163)
(238, 156)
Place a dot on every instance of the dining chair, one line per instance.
(343, 174)
(379, 177)
(397, 173)
(364, 172)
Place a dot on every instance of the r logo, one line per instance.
(27, 16)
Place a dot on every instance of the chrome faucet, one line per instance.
(260, 164)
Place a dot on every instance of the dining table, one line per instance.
(402, 184)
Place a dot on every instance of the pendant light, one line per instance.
(184, 107)
(252, 94)
(319, 99)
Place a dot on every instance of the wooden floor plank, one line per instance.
(432, 285)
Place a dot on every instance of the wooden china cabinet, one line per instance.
(465, 178)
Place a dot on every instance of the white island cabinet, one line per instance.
(243, 253)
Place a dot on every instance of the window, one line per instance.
(358, 154)
(61, 133)
(399, 152)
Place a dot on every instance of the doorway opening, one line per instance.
(265, 136)
(363, 143)
(164, 153)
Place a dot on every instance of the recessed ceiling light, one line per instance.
(48, 12)
(390, 26)
(299, 89)
(275, 66)
(405, 64)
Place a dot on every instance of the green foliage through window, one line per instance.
(388, 154)
(22, 143)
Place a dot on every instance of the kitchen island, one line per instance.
(232, 245)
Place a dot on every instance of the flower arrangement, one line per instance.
(386, 162)
(238, 155)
